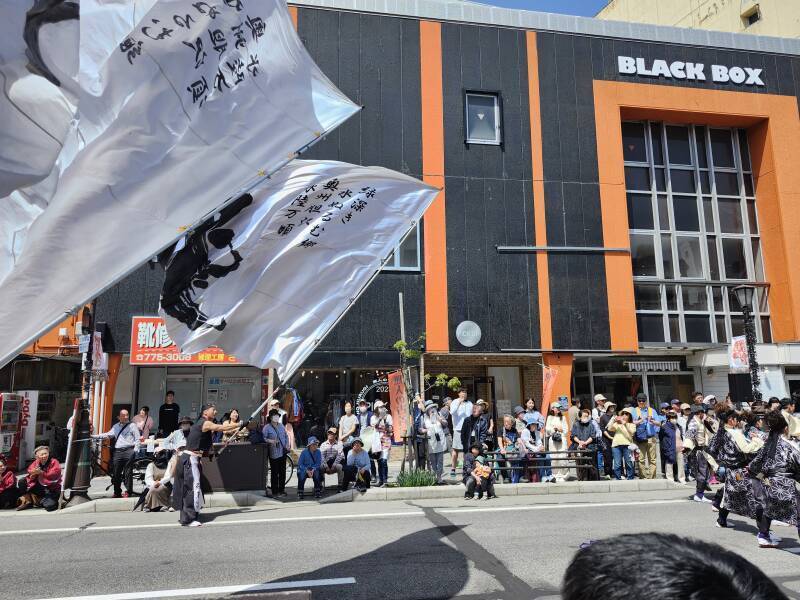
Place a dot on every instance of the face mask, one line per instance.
(382, 411)
(276, 418)
(584, 421)
(673, 420)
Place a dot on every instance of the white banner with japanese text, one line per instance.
(268, 279)
(198, 102)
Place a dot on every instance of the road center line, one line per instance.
(228, 589)
(345, 517)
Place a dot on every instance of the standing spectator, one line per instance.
(278, 440)
(418, 435)
(310, 465)
(698, 435)
(532, 443)
(683, 417)
(584, 440)
(697, 398)
(509, 462)
(519, 419)
(332, 456)
(608, 438)
(624, 431)
(382, 441)
(475, 428)
(125, 442)
(143, 422)
(485, 411)
(773, 404)
(365, 421)
(668, 444)
(470, 483)
(572, 412)
(556, 440)
(348, 427)
(599, 407)
(460, 410)
(433, 428)
(357, 468)
(647, 422)
(444, 413)
(8, 486)
(532, 413)
(485, 478)
(158, 481)
(42, 486)
(168, 415)
(787, 409)
(233, 419)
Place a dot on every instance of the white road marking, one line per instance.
(227, 589)
(345, 517)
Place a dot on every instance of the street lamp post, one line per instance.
(744, 295)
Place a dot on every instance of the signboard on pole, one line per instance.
(151, 345)
(398, 401)
(738, 359)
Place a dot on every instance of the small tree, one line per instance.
(414, 352)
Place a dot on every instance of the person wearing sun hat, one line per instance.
(382, 440)
(623, 431)
(357, 468)
(310, 465)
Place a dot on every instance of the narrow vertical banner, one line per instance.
(539, 222)
(561, 385)
(435, 228)
(549, 375)
(398, 401)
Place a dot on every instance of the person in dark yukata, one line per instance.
(187, 495)
(190, 268)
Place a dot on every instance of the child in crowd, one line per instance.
(485, 478)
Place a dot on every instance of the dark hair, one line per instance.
(696, 393)
(708, 571)
(146, 409)
(786, 402)
(205, 407)
(462, 389)
(273, 411)
(724, 415)
(585, 411)
(169, 393)
(777, 425)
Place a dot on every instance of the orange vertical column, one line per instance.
(436, 318)
(540, 224)
(293, 14)
(562, 362)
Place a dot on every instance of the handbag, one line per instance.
(556, 437)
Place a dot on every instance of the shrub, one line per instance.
(416, 478)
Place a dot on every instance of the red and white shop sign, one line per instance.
(151, 345)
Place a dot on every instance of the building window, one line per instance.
(483, 118)
(693, 230)
(405, 257)
(752, 16)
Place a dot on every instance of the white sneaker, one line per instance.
(715, 509)
(697, 498)
(766, 543)
(170, 509)
(774, 538)
(195, 524)
(780, 523)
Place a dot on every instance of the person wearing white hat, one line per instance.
(433, 428)
(158, 479)
(382, 440)
(599, 407)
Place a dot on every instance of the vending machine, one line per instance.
(10, 432)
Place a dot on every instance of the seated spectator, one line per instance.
(584, 440)
(485, 478)
(469, 465)
(8, 486)
(310, 465)
(42, 487)
(601, 571)
(158, 479)
(533, 445)
(332, 456)
(358, 467)
(177, 438)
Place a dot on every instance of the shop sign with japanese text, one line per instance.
(151, 345)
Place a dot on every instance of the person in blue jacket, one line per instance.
(667, 437)
(310, 465)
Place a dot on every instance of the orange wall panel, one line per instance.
(435, 230)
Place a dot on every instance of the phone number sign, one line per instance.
(151, 345)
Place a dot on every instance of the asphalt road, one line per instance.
(513, 548)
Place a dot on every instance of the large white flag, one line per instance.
(200, 100)
(268, 279)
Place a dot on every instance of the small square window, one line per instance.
(406, 256)
(752, 17)
(483, 118)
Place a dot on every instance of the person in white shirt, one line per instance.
(158, 479)
(460, 409)
(599, 407)
(126, 442)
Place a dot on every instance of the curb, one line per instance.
(257, 498)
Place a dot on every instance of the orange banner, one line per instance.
(398, 402)
(549, 375)
(151, 345)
